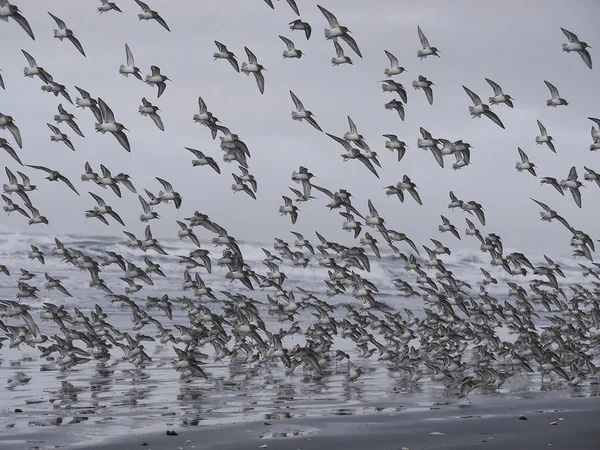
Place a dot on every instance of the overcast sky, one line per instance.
(517, 45)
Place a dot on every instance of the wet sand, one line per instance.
(492, 422)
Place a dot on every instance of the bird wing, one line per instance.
(251, 56)
(572, 37)
(333, 22)
(393, 59)
(30, 59)
(68, 183)
(45, 169)
(297, 102)
(524, 158)
(58, 21)
(474, 97)
(98, 199)
(422, 38)
(165, 184)
(289, 43)
(553, 90)
(494, 118)
(130, 60)
(542, 128)
(495, 86)
(76, 43)
(107, 114)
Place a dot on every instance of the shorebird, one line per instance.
(292, 4)
(54, 175)
(481, 108)
(169, 194)
(148, 109)
(130, 68)
(7, 122)
(63, 32)
(499, 96)
(224, 53)
(203, 160)
(88, 102)
(575, 45)
(394, 68)
(292, 51)
(302, 113)
(108, 124)
(103, 208)
(289, 208)
(253, 67)
(556, 99)
(108, 6)
(573, 185)
(552, 182)
(550, 214)
(428, 50)
(64, 116)
(149, 14)
(544, 138)
(424, 84)
(338, 31)
(157, 79)
(394, 144)
(299, 25)
(340, 57)
(58, 136)
(429, 143)
(12, 11)
(34, 69)
(525, 164)
(11, 151)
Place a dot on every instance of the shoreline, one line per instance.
(491, 422)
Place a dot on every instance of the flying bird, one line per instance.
(64, 116)
(11, 151)
(556, 99)
(6, 122)
(203, 160)
(525, 164)
(64, 32)
(34, 69)
(55, 175)
(573, 185)
(109, 124)
(149, 110)
(292, 4)
(428, 50)
(302, 113)
(394, 68)
(253, 67)
(499, 96)
(12, 11)
(130, 68)
(292, 51)
(299, 25)
(544, 138)
(157, 79)
(224, 53)
(481, 108)
(108, 6)
(424, 84)
(338, 31)
(340, 57)
(575, 45)
(149, 14)
(58, 136)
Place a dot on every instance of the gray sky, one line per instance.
(517, 45)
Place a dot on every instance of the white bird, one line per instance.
(428, 50)
(575, 45)
(338, 31)
(481, 108)
(63, 32)
(130, 68)
(556, 99)
(253, 67)
(157, 79)
(499, 96)
(302, 113)
(525, 164)
(292, 51)
(109, 124)
(544, 138)
(12, 11)
(148, 109)
(340, 57)
(150, 14)
(58, 136)
(394, 68)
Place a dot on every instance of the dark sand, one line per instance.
(491, 422)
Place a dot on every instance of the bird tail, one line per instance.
(121, 68)
(471, 108)
(564, 47)
(98, 127)
(294, 174)
(140, 16)
(244, 65)
(387, 72)
(295, 117)
(492, 101)
(415, 84)
(327, 33)
(538, 140)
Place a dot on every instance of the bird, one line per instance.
(203, 160)
(499, 96)
(292, 4)
(157, 79)
(58, 136)
(149, 110)
(302, 113)
(575, 45)
(149, 14)
(12, 11)
(54, 175)
(424, 84)
(428, 50)
(394, 68)
(7, 122)
(11, 151)
(395, 144)
(2, 81)
(481, 108)
(292, 51)
(148, 214)
(224, 53)
(573, 185)
(169, 194)
(289, 208)
(340, 57)
(108, 6)
(544, 138)
(253, 67)
(108, 124)
(64, 32)
(556, 99)
(550, 214)
(34, 69)
(103, 208)
(336, 30)
(525, 164)
(552, 182)
(88, 102)
(299, 25)
(64, 116)
(130, 68)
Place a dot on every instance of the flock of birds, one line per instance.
(457, 317)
